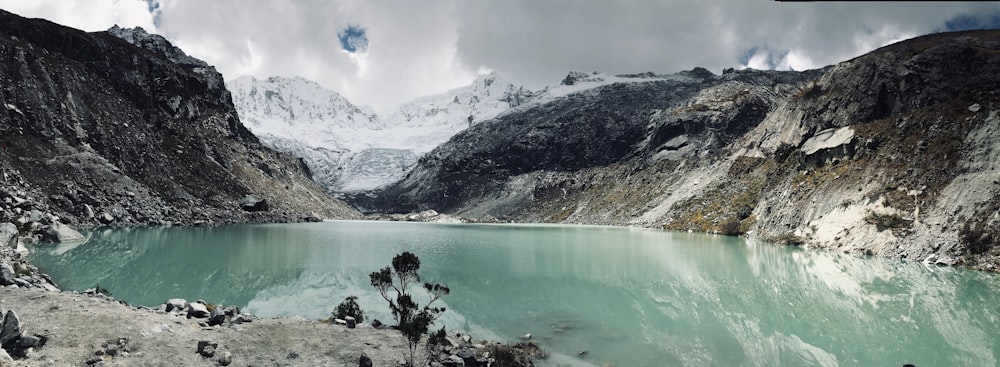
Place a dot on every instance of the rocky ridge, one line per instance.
(100, 131)
(890, 154)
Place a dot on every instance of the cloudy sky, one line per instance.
(384, 52)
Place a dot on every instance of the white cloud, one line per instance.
(90, 16)
(421, 47)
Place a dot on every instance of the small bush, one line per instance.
(349, 308)
(788, 239)
(437, 337)
(886, 221)
(731, 227)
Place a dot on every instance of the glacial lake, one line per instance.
(630, 297)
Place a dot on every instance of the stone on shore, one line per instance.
(11, 329)
(252, 203)
(351, 322)
(176, 304)
(61, 233)
(198, 310)
(8, 235)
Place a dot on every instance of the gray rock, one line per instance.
(11, 327)
(197, 310)
(231, 311)
(8, 235)
(176, 304)
(225, 359)
(453, 361)
(252, 203)
(364, 361)
(106, 218)
(7, 275)
(377, 324)
(340, 321)
(216, 317)
(28, 341)
(207, 347)
(975, 108)
(4, 357)
(61, 233)
(351, 322)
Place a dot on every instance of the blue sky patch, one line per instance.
(154, 10)
(353, 39)
(966, 22)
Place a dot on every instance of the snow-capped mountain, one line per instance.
(351, 148)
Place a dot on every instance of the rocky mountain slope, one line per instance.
(351, 148)
(96, 129)
(893, 153)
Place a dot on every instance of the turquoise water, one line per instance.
(630, 297)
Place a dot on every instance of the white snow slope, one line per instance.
(351, 148)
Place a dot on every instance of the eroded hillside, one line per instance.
(893, 153)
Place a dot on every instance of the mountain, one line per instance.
(351, 148)
(892, 154)
(120, 127)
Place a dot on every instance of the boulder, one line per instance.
(4, 357)
(106, 218)
(351, 322)
(340, 321)
(197, 310)
(216, 317)
(252, 203)
(61, 233)
(231, 311)
(364, 361)
(225, 359)
(377, 324)
(453, 361)
(7, 275)
(11, 329)
(207, 348)
(8, 235)
(176, 304)
(975, 108)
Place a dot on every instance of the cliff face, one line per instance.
(98, 130)
(893, 153)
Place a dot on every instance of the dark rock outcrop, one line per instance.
(98, 129)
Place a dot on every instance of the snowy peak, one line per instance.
(288, 107)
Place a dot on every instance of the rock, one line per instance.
(975, 108)
(292, 355)
(11, 327)
(225, 359)
(8, 235)
(453, 361)
(197, 310)
(7, 274)
(176, 304)
(340, 321)
(364, 361)
(377, 324)
(28, 341)
(252, 203)
(106, 218)
(216, 317)
(207, 348)
(61, 233)
(4, 357)
(467, 339)
(241, 318)
(351, 322)
(526, 336)
(231, 311)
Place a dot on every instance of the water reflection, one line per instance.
(630, 297)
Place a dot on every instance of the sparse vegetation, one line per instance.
(787, 239)
(349, 307)
(884, 221)
(412, 320)
(813, 90)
